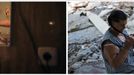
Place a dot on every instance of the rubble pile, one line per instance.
(84, 51)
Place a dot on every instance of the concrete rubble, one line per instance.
(84, 51)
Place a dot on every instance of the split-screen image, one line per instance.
(67, 37)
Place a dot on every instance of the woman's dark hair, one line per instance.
(116, 16)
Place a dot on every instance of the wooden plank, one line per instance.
(99, 23)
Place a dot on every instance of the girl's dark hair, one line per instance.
(116, 16)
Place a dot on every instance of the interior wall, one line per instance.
(29, 31)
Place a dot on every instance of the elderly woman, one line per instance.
(117, 45)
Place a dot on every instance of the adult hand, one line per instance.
(129, 42)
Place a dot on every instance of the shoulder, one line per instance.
(106, 42)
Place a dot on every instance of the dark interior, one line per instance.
(29, 31)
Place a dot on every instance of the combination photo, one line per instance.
(67, 37)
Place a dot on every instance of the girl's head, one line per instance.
(117, 19)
